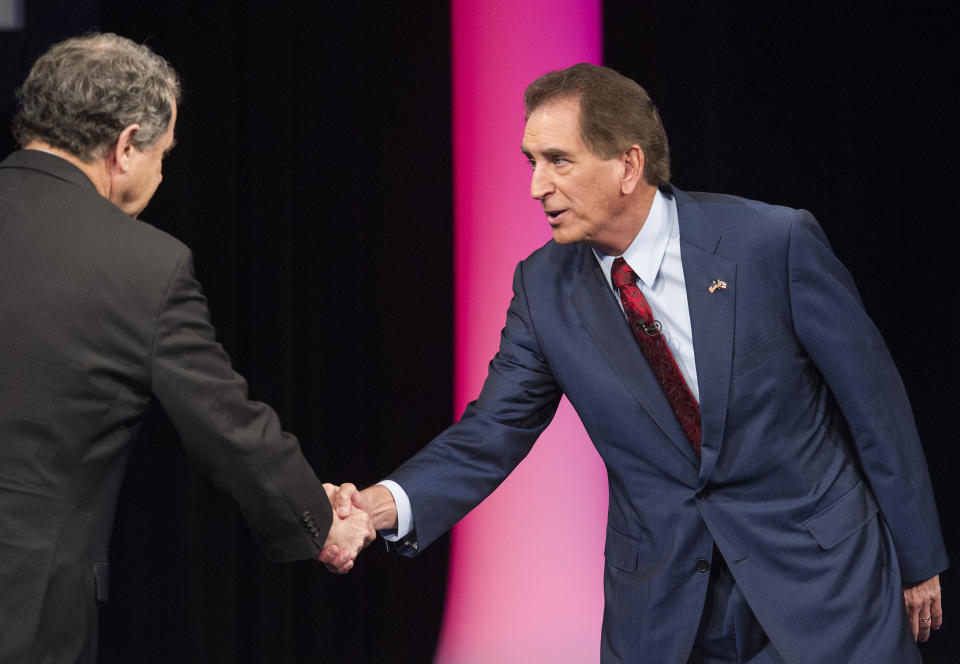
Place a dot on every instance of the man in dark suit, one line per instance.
(99, 314)
(769, 498)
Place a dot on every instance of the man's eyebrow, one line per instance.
(552, 154)
(548, 153)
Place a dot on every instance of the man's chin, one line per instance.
(565, 238)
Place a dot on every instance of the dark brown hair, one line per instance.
(615, 113)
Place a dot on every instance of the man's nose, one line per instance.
(540, 184)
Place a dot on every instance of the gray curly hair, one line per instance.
(81, 94)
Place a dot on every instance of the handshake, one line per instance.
(357, 516)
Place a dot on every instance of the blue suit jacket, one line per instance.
(813, 483)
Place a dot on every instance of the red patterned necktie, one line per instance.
(647, 332)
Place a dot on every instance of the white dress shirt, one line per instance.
(654, 255)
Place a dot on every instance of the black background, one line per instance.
(312, 179)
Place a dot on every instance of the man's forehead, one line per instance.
(561, 108)
(553, 126)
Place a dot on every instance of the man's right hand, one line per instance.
(351, 531)
(375, 501)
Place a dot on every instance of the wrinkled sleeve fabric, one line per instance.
(470, 459)
(831, 323)
(235, 441)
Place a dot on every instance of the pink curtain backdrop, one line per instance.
(526, 569)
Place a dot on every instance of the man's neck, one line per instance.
(632, 218)
(96, 170)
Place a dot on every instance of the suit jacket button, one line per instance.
(703, 566)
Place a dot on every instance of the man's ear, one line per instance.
(632, 169)
(121, 154)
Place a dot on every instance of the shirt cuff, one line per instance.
(404, 512)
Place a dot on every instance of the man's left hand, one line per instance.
(923, 607)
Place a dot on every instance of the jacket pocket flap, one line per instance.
(842, 518)
(621, 551)
(752, 357)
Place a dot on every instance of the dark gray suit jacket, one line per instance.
(98, 314)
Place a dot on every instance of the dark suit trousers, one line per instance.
(729, 633)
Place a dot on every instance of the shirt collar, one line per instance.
(645, 254)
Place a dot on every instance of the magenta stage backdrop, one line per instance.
(526, 568)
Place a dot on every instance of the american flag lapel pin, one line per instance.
(722, 285)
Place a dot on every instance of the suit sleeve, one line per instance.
(470, 459)
(847, 348)
(237, 442)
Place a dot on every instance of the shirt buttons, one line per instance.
(703, 566)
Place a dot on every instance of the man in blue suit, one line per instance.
(769, 498)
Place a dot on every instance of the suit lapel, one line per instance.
(597, 308)
(712, 316)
